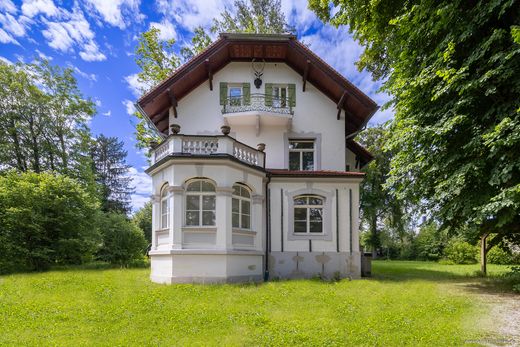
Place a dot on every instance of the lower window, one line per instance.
(308, 214)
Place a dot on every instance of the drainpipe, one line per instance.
(267, 227)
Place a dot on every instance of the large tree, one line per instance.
(112, 174)
(453, 70)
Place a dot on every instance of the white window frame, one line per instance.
(165, 198)
(201, 195)
(308, 208)
(241, 94)
(301, 151)
(277, 99)
(241, 213)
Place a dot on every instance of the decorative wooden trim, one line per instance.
(210, 73)
(305, 74)
(173, 101)
(341, 103)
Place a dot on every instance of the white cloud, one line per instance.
(5, 60)
(16, 26)
(117, 13)
(167, 29)
(43, 55)
(143, 188)
(107, 113)
(298, 15)
(134, 85)
(6, 38)
(74, 31)
(32, 8)
(192, 13)
(91, 77)
(8, 6)
(129, 105)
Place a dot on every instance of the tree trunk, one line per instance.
(483, 254)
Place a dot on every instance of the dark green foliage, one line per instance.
(111, 174)
(430, 242)
(460, 252)
(123, 241)
(143, 219)
(453, 70)
(45, 219)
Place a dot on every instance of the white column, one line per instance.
(176, 216)
(355, 218)
(223, 218)
(156, 219)
(258, 220)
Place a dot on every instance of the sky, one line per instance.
(97, 39)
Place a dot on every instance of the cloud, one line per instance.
(15, 26)
(43, 55)
(192, 13)
(118, 13)
(143, 188)
(129, 105)
(6, 38)
(74, 31)
(298, 15)
(5, 60)
(8, 6)
(107, 113)
(31, 8)
(91, 77)
(134, 85)
(167, 29)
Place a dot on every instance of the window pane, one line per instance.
(245, 193)
(164, 221)
(192, 217)
(235, 91)
(194, 187)
(236, 190)
(234, 205)
(315, 201)
(300, 201)
(300, 214)
(208, 202)
(308, 161)
(316, 227)
(208, 218)
(294, 160)
(246, 222)
(300, 227)
(164, 206)
(235, 95)
(246, 207)
(315, 214)
(301, 144)
(207, 187)
(192, 202)
(236, 220)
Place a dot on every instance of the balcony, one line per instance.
(208, 145)
(255, 109)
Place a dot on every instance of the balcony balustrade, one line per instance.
(257, 102)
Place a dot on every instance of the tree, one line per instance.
(453, 71)
(199, 42)
(111, 174)
(143, 219)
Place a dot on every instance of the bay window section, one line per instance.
(241, 207)
(200, 203)
(165, 209)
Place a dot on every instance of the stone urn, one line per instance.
(225, 129)
(175, 128)
(261, 147)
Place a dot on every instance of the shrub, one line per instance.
(497, 255)
(123, 241)
(430, 242)
(460, 252)
(45, 219)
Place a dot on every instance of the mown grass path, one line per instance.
(404, 304)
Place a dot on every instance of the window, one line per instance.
(165, 208)
(301, 155)
(280, 96)
(235, 96)
(241, 207)
(200, 203)
(308, 214)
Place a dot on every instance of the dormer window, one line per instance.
(301, 155)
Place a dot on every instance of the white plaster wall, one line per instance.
(200, 113)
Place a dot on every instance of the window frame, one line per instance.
(277, 101)
(308, 207)
(241, 199)
(240, 97)
(200, 194)
(165, 197)
(301, 151)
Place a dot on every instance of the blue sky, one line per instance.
(97, 39)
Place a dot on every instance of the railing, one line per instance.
(257, 102)
(207, 145)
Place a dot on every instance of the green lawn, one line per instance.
(406, 303)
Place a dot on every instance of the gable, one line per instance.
(357, 106)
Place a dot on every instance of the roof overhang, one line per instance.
(285, 48)
(361, 152)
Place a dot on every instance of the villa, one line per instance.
(258, 175)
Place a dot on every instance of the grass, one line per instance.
(405, 303)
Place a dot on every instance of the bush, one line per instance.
(497, 255)
(430, 242)
(45, 219)
(460, 252)
(123, 241)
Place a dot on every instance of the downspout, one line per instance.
(267, 227)
(149, 121)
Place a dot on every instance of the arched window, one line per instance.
(308, 214)
(200, 203)
(165, 208)
(241, 207)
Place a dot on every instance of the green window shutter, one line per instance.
(292, 94)
(246, 91)
(269, 94)
(223, 93)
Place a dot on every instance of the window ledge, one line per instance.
(296, 236)
(199, 229)
(244, 232)
(160, 231)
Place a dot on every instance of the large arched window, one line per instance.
(200, 203)
(165, 208)
(308, 214)
(241, 207)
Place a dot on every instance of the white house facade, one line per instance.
(257, 175)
